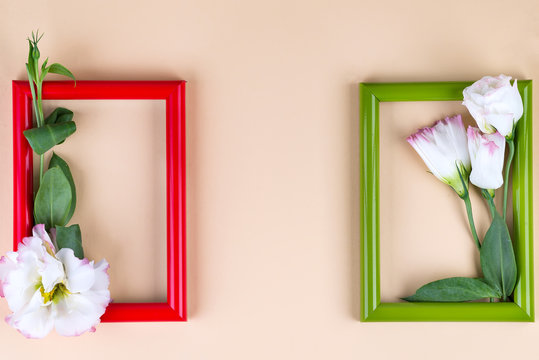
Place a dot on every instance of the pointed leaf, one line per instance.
(44, 65)
(59, 115)
(30, 66)
(453, 290)
(37, 37)
(44, 138)
(70, 237)
(62, 70)
(44, 73)
(497, 257)
(59, 162)
(53, 199)
(30, 74)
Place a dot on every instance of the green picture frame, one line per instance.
(372, 309)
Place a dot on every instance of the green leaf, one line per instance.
(57, 161)
(30, 66)
(44, 65)
(453, 290)
(59, 115)
(53, 199)
(70, 237)
(62, 70)
(44, 73)
(30, 76)
(44, 138)
(497, 257)
(44, 70)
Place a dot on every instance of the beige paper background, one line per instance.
(273, 202)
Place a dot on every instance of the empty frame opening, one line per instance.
(118, 160)
(424, 233)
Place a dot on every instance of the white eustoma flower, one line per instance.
(494, 104)
(87, 295)
(487, 155)
(443, 148)
(45, 290)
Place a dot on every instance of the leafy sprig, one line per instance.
(55, 200)
(36, 76)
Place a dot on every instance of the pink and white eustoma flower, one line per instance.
(487, 156)
(443, 148)
(494, 104)
(47, 289)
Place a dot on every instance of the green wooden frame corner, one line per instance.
(372, 309)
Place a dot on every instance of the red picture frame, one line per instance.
(173, 92)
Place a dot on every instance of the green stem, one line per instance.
(490, 201)
(39, 92)
(39, 115)
(42, 122)
(468, 203)
(34, 99)
(511, 144)
(40, 103)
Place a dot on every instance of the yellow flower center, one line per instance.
(56, 294)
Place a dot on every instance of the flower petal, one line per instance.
(101, 276)
(99, 294)
(32, 245)
(502, 122)
(444, 151)
(40, 232)
(32, 254)
(33, 320)
(76, 314)
(21, 283)
(487, 155)
(51, 271)
(80, 274)
(7, 264)
(494, 104)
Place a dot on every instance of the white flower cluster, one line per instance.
(451, 153)
(49, 289)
